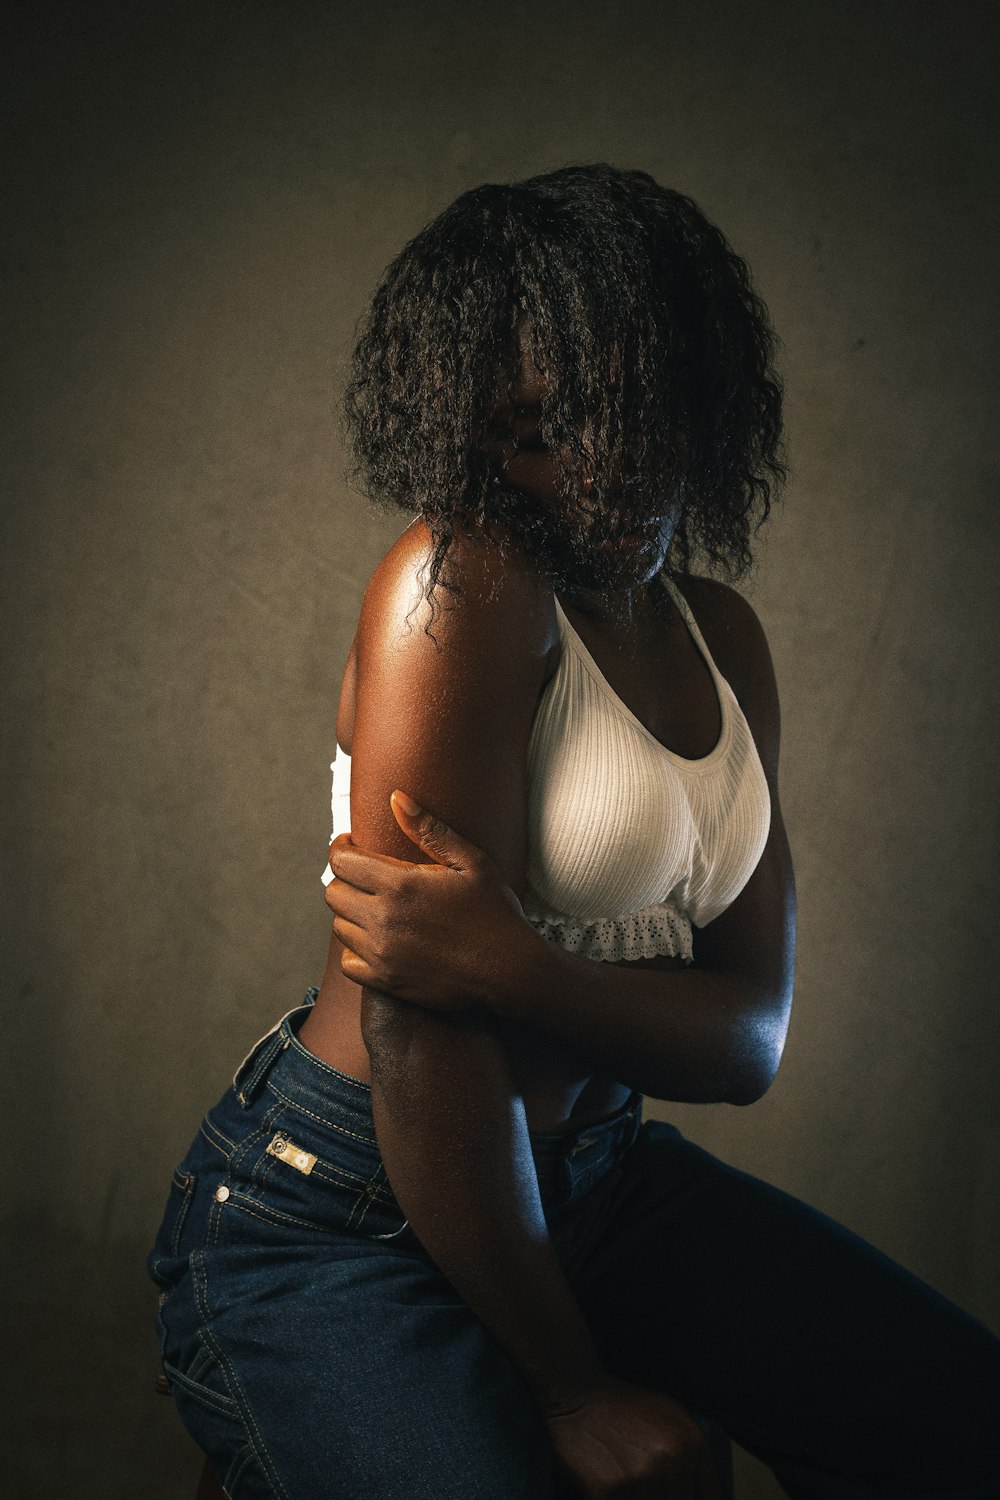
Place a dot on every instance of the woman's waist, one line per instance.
(324, 1066)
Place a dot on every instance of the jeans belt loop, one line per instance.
(279, 1029)
(251, 1074)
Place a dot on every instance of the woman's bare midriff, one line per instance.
(556, 1096)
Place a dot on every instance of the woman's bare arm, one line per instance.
(713, 1033)
(452, 725)
(453, 1136)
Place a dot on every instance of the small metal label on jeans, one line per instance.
(280, 1145)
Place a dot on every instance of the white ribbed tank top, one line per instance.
(628, 842)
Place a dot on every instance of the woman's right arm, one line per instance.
(453, 724)
(453, 1136)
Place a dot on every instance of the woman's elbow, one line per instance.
(392, 1028)
(385, 1019)
(761, 1058)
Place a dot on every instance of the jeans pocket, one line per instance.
(301, 1175)
(165, 1252)
(203, 1381)
(212, 1417)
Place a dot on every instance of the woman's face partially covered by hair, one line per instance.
(586, 514)
(562, 361)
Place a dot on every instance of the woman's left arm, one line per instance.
(710, 1033)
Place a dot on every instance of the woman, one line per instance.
(425, 1246)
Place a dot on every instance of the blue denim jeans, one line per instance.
(316, 1352)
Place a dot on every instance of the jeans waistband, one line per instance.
(328, 1092)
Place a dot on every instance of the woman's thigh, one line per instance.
(313, 1348)
(835, 1365)
(349, 1374)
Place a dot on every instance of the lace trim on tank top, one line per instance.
(662, 928)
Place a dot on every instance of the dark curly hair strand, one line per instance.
(641, 317)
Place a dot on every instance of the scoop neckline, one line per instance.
(695, 763)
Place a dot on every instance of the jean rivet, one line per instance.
(221, 1194)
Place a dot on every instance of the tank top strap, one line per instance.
(687, 616)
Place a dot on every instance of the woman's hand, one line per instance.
(440, 935)
(626, 1439)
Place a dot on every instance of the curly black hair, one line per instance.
(642, 320)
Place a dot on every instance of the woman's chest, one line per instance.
(616, 817)
(655, 671)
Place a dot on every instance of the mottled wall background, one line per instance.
(200, 199)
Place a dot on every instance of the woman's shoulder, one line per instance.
(443, 706)
(726, 619)
(485, 596)
(724, 607)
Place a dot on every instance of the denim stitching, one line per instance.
(372, 1191)
(326, 1067)
(200, 1285)
(214, 1219)
(235, 1163)
(200, 1363)
(210, 1123)
(251, 1141)
(268, 1215)
(327, 1170)
(341, 1177)
(276, 1042)
(364, 1202)
(182, 1212)
(221, 1149)
(175, 1234)
(223, 1404)
(264, 1169)
(591, 1171)
(329, 1124)
(369, 1193)
(268, 1162)
(337, 1176)
(239, 1467)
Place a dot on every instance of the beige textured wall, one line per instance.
(203, 196)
